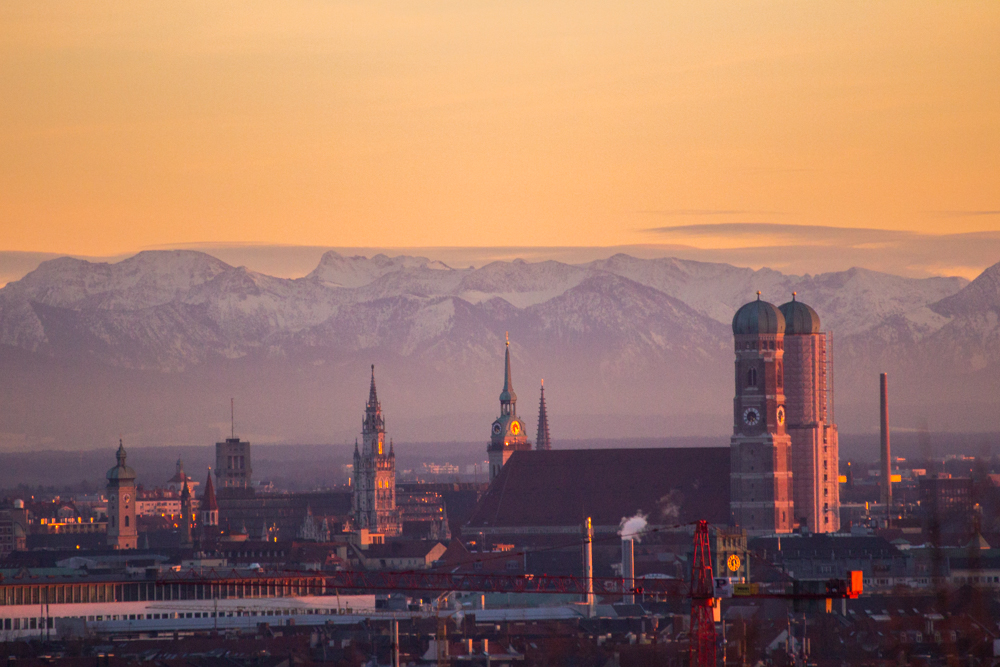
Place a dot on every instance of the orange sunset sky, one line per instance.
(129, 125)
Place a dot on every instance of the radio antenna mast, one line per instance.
(232, 418)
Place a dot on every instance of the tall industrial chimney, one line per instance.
(588, 563)
(628, 570)
(886, 461)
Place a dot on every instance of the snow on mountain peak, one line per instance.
(335, 270)
(150, 278)
(981, 294)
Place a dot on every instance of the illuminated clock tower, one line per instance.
(507, 434)
(761, 477)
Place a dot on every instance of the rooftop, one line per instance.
(564, 487)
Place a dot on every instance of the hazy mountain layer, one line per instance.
(155, 346)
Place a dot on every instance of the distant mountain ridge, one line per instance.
(621, 336)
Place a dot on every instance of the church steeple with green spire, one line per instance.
(507, 434)
(508, 399)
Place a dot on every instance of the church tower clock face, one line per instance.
(751, 416)
(515, 427)
(781, 415)
(496, 429)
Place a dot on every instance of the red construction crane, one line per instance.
(702, 646)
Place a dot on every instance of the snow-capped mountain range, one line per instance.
(157, 343)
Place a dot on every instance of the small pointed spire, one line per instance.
(793, 295)
(542, 439)
(758, 295)
(208, 501)
(120, 455)
(392, 451)
(507, 395)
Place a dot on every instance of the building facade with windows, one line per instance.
(233, 468)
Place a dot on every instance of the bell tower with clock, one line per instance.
(122, 533)
(761, 477)
(507, 434)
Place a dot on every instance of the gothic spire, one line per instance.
(121, 453)
(372, 395)
(542, 440)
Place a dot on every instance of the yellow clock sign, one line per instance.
(733, 563)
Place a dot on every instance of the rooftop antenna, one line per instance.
(232, 419)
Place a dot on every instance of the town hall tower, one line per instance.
(374, 499)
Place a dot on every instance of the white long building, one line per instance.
(54, 606)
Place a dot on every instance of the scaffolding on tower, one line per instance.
(829, 378)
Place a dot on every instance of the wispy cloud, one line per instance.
(770, 233)
(709, 211)
(964, 213)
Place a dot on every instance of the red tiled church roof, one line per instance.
(208, 501)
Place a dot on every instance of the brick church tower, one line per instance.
(507, 435)
(122, 532)
(815, 451)
(374, 499)
(761, 477)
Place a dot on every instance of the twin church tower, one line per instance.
(785, 458)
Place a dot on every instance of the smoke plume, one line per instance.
(631, 528)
